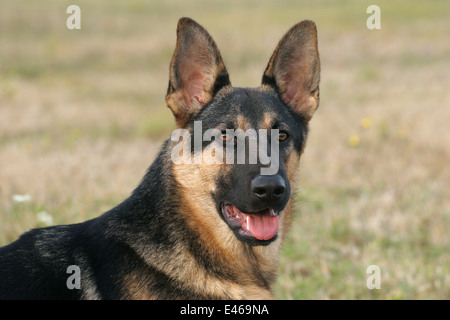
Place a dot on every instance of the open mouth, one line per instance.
(261, 225)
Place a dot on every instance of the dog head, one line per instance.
(236, 150)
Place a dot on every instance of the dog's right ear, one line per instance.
(197, 71)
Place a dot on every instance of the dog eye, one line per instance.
(225, 136)
(282, 135)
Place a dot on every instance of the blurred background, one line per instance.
(82, 115)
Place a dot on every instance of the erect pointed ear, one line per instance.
(294, 69)
(197, 71)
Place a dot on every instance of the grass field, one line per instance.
(82, 115)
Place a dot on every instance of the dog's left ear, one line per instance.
(294, 69)
(197, 71)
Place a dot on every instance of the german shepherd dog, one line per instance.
(189, 230)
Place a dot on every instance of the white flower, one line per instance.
(45, 218)
(21, 197)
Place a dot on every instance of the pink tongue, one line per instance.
(262, 226)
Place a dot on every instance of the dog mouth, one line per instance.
(261, 225)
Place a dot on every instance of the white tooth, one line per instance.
(246, 220)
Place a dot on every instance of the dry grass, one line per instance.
(82, 115)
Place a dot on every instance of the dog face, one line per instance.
(255, 135)
(248, 200)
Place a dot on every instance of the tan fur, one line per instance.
(268, 119)
(134, 289)
(199, 210)
(294, 66)
(203, 218)
(242, 123)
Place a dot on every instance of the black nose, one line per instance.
(268, 188)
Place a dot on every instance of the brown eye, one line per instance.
(282, 136)
(224, 136)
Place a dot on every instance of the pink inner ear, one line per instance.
(294, 95)
(289, 94)
(194, 89)
(199, 99)
(292, 88)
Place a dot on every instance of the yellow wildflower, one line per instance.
(353, 141)
(366, 123)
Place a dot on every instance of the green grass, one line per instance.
(82, 115)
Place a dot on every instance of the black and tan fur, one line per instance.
(169, 239)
